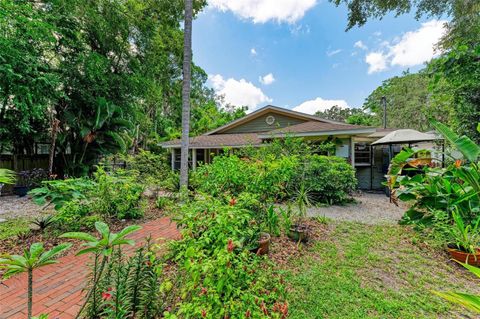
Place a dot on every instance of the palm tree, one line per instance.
(31, 259)
(187, 77)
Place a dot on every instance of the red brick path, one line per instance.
(57, 288)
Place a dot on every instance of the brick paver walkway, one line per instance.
(57, 288)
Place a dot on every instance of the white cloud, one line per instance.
(319, 104)
(359, 44)
(238, 92)
(377, 33)
(412, 48)
(333, 52)
(261, 11)
(267, 79)
(377, 62)
(416, 47)
(253, 51)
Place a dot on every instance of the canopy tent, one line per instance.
(405, 136)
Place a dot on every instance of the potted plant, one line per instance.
(28, 180)
(299, 230)
(465, 241)
(23, 184)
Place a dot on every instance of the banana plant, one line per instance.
(32, 258)
(469, 301)
(102, 248)
(469, 149)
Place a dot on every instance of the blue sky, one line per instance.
(298, 55)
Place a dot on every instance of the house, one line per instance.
(256, 128)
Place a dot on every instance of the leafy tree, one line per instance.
(349, 115)
(28, 80)
(32, 258)
(409, 102)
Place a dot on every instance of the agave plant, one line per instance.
(102, 248)
(32, 258)
(469, 301)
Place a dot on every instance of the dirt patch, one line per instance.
(19, 207)
(367, 208)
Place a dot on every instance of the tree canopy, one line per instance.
(109, 72)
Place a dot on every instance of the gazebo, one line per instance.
(406, 136)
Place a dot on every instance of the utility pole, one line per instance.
(384, 104)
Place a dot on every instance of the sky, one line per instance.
(297, 54)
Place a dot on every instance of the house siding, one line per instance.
(260, 125)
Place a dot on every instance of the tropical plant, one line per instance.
(102, 249)
(32, 258)
(469, 301)
(58, 192)
(42, 222)
(130, 285)
(466, 237)
(7, 176)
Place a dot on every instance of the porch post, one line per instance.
(194, 158)
(173, 159)
(352, 150)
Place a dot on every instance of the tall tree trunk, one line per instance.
(55, 124)
(187, 74)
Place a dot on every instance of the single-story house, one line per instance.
(260, 126)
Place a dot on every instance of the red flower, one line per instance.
(232, 202)
(203, 291)
(204, 313)
(230, 246)
(107, 295)
(248, 314)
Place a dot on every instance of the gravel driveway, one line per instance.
(369, 208)
(14, 207)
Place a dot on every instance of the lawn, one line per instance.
(363, 271)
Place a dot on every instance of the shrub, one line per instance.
(225, 175)
(329, 179)
(117, 195)
(221, 277)
(152, 169)
(58, 192)
(75, 215)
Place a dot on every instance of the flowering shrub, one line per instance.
(329, 179)
(221, 278)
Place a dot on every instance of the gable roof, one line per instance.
(267, 109)
(318, 128)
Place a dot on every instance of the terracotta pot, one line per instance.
(263, 244)
(299, 233)
(463, 257)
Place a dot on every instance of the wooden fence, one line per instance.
(20, 163)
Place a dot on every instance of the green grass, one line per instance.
(363, 271)
(13, 227)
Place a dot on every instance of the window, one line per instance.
(362, 154)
